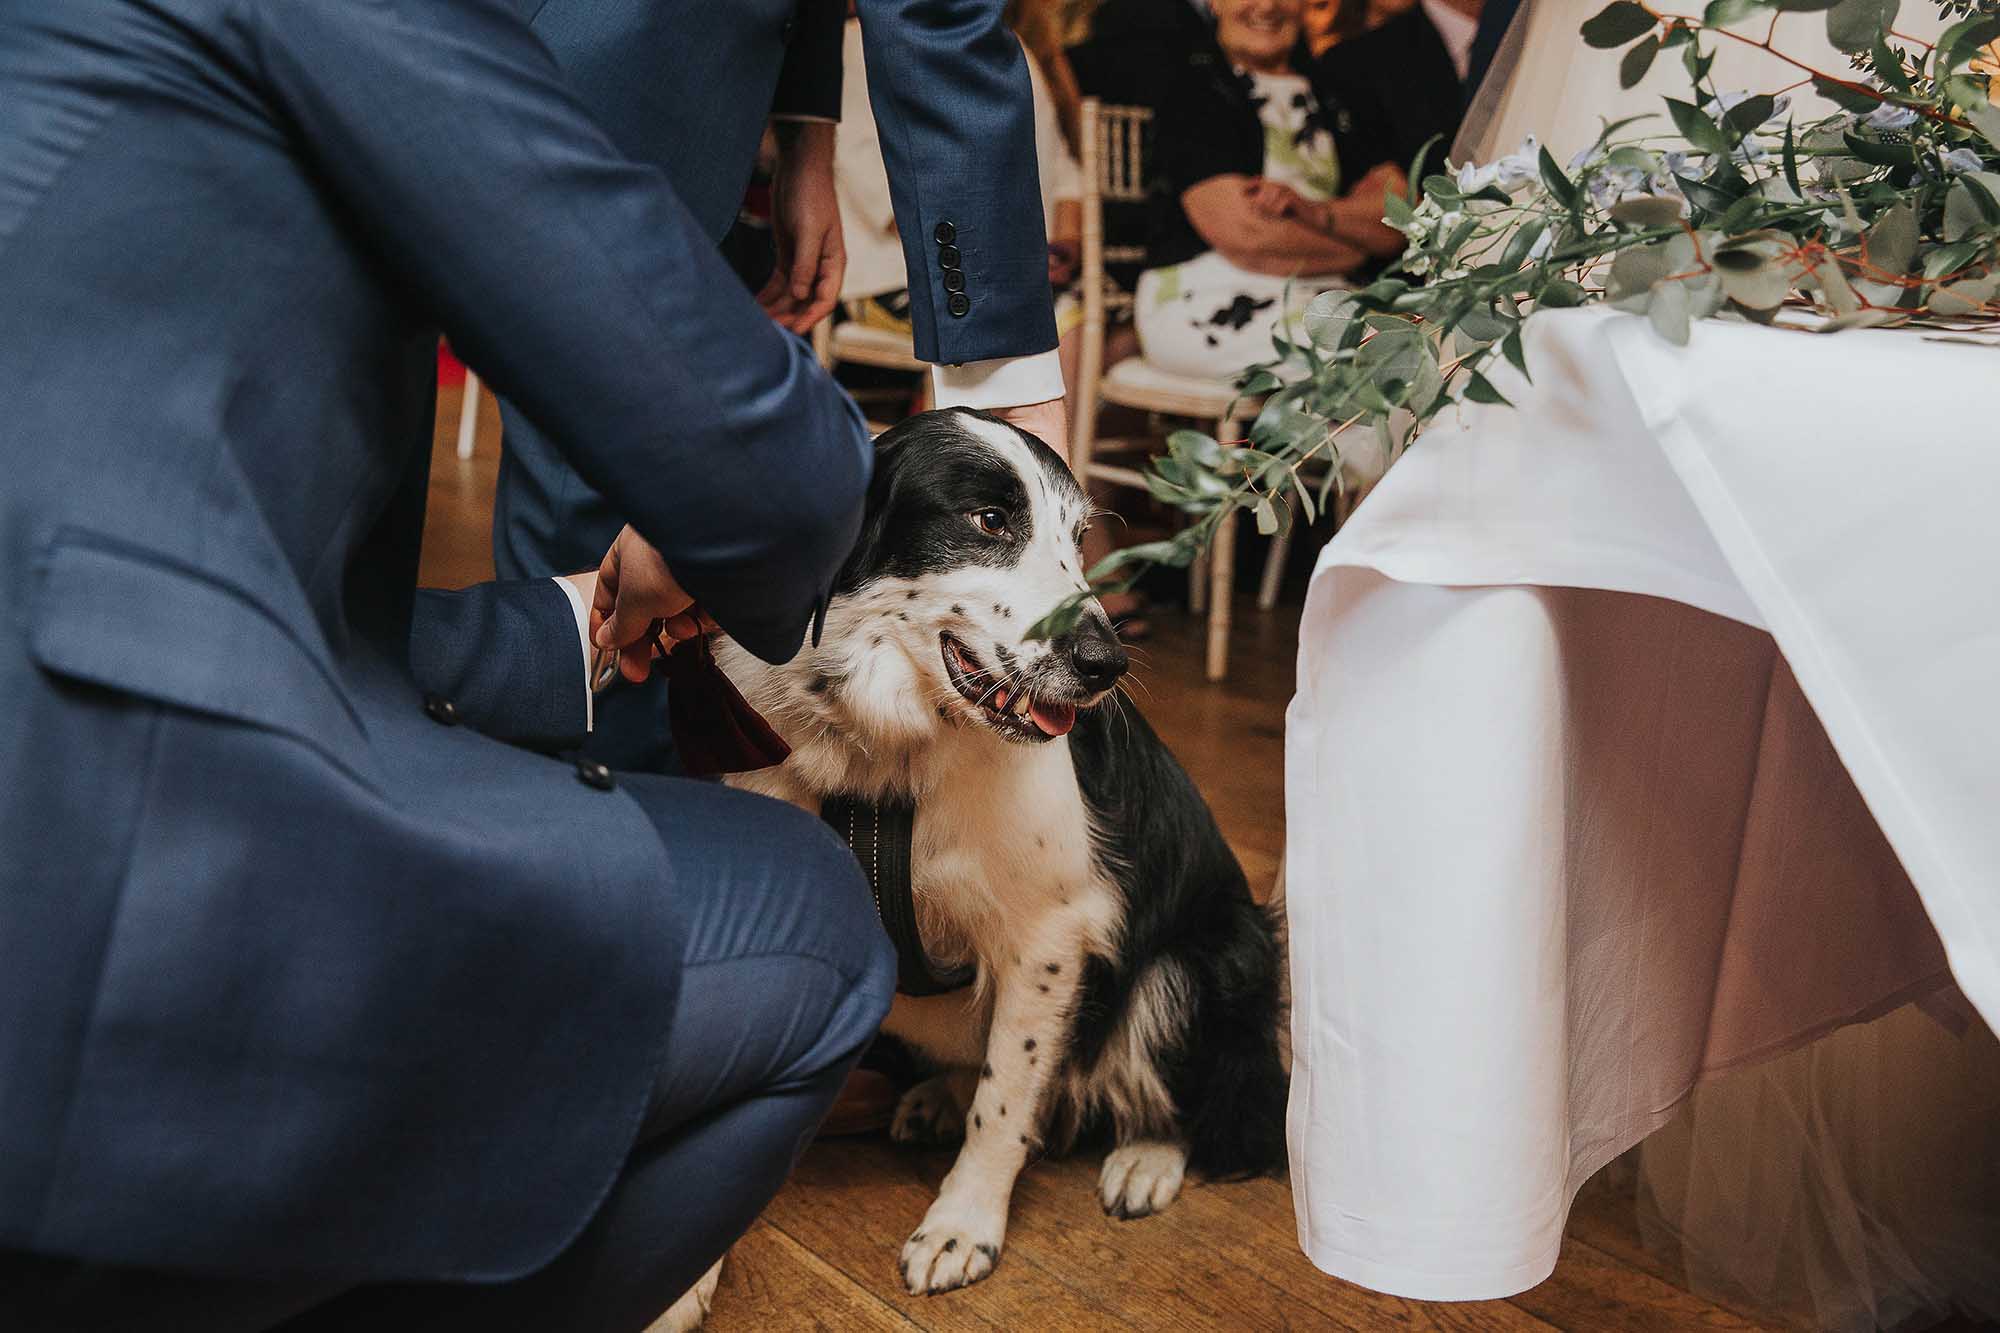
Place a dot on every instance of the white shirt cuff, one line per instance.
(582, 613)
(1007, 381)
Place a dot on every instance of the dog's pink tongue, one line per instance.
(1054, 719)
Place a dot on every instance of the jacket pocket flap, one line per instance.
(121, 618)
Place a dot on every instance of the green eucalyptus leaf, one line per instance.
(1880, 154)
(1862, 319)
(1306, 506)
(1637, 61)
(1444, 189)
(1833, 287)
(1267, 516)
(1759, 284)
(1194, 447)
(1332, 321)
(1891, 244)
(1845, 95)
(1888, 66)
(1616, 24)
(1669, 312)
(1947, 259)
(1510, 347)
(1677, 34)
(1747, 115)
(1522, 241)
(1968, 297)
(1647, 210)
(1985, 118)
(1722, 13)
(1704, 196)
(1635, 271)
(1791, 163)
(1562, 294)
(1257, 383)
(1853, 25)
(1062, 619)
(1962, 41)
(1483, 326)
(1695, 126)
(1803, 6)
(1560, 185)
(1634, 159)
(1479, 389)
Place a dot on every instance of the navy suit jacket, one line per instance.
(295, 976)
(687, 85)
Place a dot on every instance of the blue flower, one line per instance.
(1890, 117)
(1961, 159)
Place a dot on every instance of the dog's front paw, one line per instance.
(929, 1115)
(1140, 1179)
(956, 1246)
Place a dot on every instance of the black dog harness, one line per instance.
(879, 836)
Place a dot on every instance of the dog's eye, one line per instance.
(992, 522)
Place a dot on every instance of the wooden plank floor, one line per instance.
(1223, 1256)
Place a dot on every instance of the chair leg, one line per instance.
(1198, 584)
(1281, 552)
(1221, 578)
(468, 415)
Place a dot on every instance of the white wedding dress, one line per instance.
(1854, 1183)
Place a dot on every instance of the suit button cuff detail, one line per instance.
(945, 233)
(958, 305)
(591, 773)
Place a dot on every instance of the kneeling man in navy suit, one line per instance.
(322, 1001)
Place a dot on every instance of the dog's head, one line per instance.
(971, 537)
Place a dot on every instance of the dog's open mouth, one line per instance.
(1008, 706)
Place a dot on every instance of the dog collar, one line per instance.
(879, 835)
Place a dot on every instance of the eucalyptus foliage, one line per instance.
(1723, 204)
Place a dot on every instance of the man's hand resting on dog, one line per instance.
(637, 597)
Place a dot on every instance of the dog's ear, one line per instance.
(864, 561)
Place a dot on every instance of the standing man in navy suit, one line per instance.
(317, 998)
(687, 85)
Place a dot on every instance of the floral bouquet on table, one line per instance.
(1724, 203)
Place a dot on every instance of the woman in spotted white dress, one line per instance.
(1249, 199)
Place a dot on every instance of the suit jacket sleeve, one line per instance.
(809, 83)
(580, 286)
(506, 654)
(948, 82)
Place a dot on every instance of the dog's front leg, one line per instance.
(960, 1239)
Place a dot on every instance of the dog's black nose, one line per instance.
(1096, 655)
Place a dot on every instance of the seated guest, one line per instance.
(1407, 74)
(1252, 198)
(876, 289)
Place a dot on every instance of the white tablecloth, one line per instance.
(1592, 692)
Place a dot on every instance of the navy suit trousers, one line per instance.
(785, 977)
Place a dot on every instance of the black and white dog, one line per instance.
(1127, 984)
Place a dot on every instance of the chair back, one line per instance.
(1113, 170)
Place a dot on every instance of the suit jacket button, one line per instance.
(948, 256)
(593, 774)
(441, 710)
(954, 280)
(791, 27)
(945, 233)
(958, 305)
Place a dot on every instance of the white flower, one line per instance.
(1890, 117)
(1521, 166)
(1473, 178)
